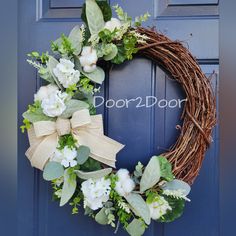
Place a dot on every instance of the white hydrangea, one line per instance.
(66, 156)
(96, 192)
(88, 59)
(66, 73)
(54, 105)
(125, 184)
(44, 92)
(113, 24)
(158, 207)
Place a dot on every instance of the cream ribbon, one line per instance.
(86, 129)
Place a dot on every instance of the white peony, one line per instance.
(88, 59)
(66, 156)
(125, 184)
(96, 192)
(44, 92)
(66, 73)
(54, 105)
(158, 207)
(113, 24)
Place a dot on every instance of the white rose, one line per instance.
(66, 73)
(88, 59)
(66, 156)
(125, 184)
(44, 92)
(54, 105)
(158, 207)
(96, 192)
(113, 24)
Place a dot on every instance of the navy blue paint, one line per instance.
(144, 131)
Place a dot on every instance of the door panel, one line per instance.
(145, 131)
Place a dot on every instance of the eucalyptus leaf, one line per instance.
(94, 17)
(136, 228)
(112, 54)
(151, 174)
(97, 76)
(36, 116)
(53, 170)
(69, 186)
(72, 106)
(76, 39)
(101, 217)
(177, 184)
(82, 154)
(52, 63)
(139, 206)
(93, 174)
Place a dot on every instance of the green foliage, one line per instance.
(150, 196)
(91, 165)
(75, 203)
(82, 154)
(136, 227)
(123, 16)
(105, 8)
(93, 174)
(71, 90)
(151, 174)
(140, 19)
(76, 39)
(69, 186)
(26, 125)
(107, 36)
(72, 106)
(57, 188)
(66, 140)
(53, 170)
(43, 58)
(166, 169)
(177, 206)
(139, 206)
(86, 85)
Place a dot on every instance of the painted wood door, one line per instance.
(144, 130)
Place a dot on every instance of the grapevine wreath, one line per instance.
(66, 136)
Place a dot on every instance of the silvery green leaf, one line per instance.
(93, 174)
(97, 76)
(112, 54)
(82, 154)
(177, 184)
(136, 228)
(151, 174)
(72, 106)
(139, 206)
(45, 74)
(101, 217)
(94, 17)
(76, 39)
(52, 63)
(53, 170)
(69, 187)
(36, 116)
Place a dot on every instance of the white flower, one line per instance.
(44, 92)
(54, 105)
(65, 156)
(66, 73)
(113, 24)
(125, 184)
(158, 207)
(96, 192)
(88, 59)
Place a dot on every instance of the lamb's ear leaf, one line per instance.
(76, 39)
(94, 17)
(136, 228)
(69, 186)
(151, 174)
(101, 217)
(93, 174)
(139, 206)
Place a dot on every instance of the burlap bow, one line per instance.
(86, 129)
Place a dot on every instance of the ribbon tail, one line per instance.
(40, 152)
(102, 148)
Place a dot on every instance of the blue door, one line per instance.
(145, 131)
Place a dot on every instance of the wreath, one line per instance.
(66, 136)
